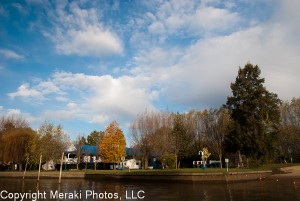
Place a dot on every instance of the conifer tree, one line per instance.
(255, 114)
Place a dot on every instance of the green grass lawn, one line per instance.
(173, 171)
(192, 170)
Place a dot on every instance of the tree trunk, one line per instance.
(146, 162)
(220, 157)
(77, 164)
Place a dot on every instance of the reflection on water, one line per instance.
(80, 189)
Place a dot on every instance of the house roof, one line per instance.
(89, 149)
(92, 150)
(70, 148)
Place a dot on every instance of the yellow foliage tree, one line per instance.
(205, 155)
(113, 144)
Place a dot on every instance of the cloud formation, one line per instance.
(9, 54)
(173, 54)
(80, 31)
(196, 18)
(91, 98)
(25, 92)
(202, 71)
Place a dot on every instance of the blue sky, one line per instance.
(83, 63)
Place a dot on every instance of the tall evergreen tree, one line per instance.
(255, 114)
(95, 138)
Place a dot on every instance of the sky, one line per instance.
(83, 64)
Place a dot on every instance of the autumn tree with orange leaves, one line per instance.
(113, 144)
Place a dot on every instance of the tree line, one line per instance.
(253, 124)
(20, 144)
(176, 138)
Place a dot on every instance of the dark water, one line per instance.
(79, 189)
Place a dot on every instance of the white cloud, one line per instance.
(12, 112)
(210, 19)
(125, 96)
(9, 54)
(72, 105)
(79, 31)
(147, 62)
(202, 77)
(98, 119)
(25, 92)
(96, 98)
(199, 75)
(61, 99)
(91, 41)
(37, 92)
(66, 112)
(59, 115)
(175, 17)
(48, 87)
(18, 112)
